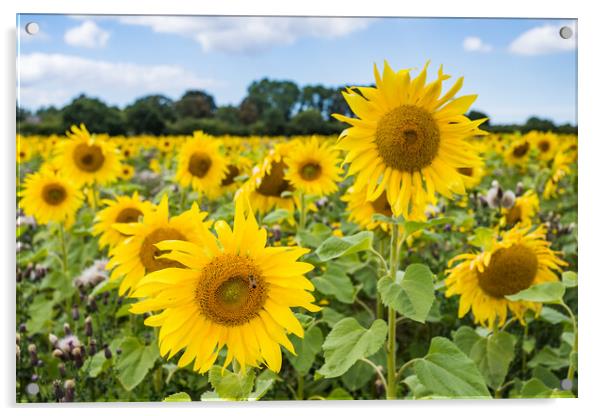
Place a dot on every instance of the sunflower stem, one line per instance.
(94, 198)
(392, 317)
(302, 211)
(65, 269)
(300, 386)
(572, 368)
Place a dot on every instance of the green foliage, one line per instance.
(348, 342)
(335, 247)
(411, 294)
(543, 292)
(178, 397)
(448, 372)
(229, 385)
(135, 361)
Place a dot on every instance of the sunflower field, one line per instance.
(415, 256)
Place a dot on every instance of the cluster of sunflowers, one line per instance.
(223, 286)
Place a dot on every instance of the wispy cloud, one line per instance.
(87, 35)
(542, 40)
(476, 44)
(248, 34)
(56, 78)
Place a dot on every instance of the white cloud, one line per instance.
(543, 40)
(475, 44)
(248, 34)
(54, 79)
(87, 35)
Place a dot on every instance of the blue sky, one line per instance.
(519, 67)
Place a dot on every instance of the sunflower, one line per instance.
(24, 150)
(88, 159)
(472, 176)
(201, 164)
(520, 260)
(50, 197)
(408, 140)
(127, 172)
(267, 183)
(313, 167)
(123, 209)
(136, 255)
(524, 209)
(546, 144)
(517, 154)
(361, 211)
(561, 167)
(234, 292)
(237, 166)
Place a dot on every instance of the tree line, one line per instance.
(270, 107)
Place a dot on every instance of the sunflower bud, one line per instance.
(108, 353)
(77, 357)
(92, 346)
(53, 339)
(69, 390)
(57, 353)
(67, 329)
(88, 326)
(62, 370)
(33, 353)
(75, 313)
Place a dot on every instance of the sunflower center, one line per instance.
(233, 172)
(128, 215)
(513, 215)
(199, 164)
(274, 184)
(466, 171)
(510, 270)
(231, 290)
(54, 194)
(521, 150)
(381, 205)
(407, 138)
(543, 146)
(148, 251)
(88, 158)
(310, 171)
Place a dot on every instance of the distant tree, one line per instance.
(228, 114)
(535, 123)
(248, 111)
(336, 104)
(95, 114)
(274, 122)
(274, 95)
(308, 122)
(22, 114)
(476, 115)
(150, 115)
(195, 104)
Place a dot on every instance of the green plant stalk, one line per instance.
(300, 386)
(392, 317)
(571, 371)
(65, 270)
(302, 211)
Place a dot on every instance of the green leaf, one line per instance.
(331, 316)
(544, 292)
(348, 342)
(358, 375)
(447, 371)
(410, 227)
(569, 279)
(40, 312)
(178, 397)
(483, 238)
(96, 364)
(264, 382)
(306, 349)
(549, 357)
(465, 338)
(339, 394)
(335, 282)
(276, 216)
(411, 294)
(493, 356)
(335, 247)
(231, 386)
(536, 388)
(314, 236)
(553, 316)
(416, 387)
(134, 362)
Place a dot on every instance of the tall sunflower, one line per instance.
(521, 259)
(313, 167)
(87, 158)
(268, 188)
(123, 209)
(361, 211)
(517, 153)
(137, 254)
(546, 144)
(201, 164)
(234, 292)
(408, 140)
(50, 197)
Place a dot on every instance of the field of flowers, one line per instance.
(415, 256)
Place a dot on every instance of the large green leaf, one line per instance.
(569, 279)
(264, 382)
(306, 349)
(447, 371)
(335, 247)
(348, 342)
(535, 388)
(411, 294)
(134, 362)
(231, 386)
(543, 292)
(493, 356)
(181, 396)
(335, 282)
(549, 357)
(276, 216)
